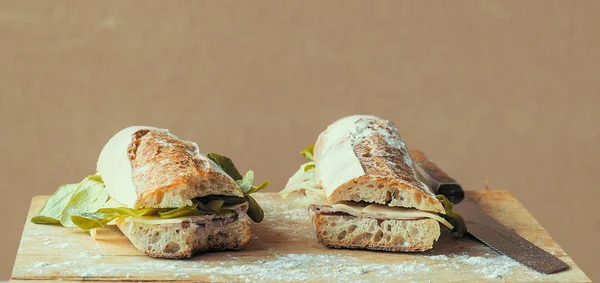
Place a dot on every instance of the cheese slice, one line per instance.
(349, 207)
(378, 210)
(115, 167)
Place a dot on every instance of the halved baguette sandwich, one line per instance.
(363, 192)
(170, 200)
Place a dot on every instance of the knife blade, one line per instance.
(482, 226)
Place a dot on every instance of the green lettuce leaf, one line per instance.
(308, 152)
(246, 182)
(254, 189)
(182, 211)
(91, 220)
(226, 164)
(125, 211)
(229, 200)
(81, 205)
(215, 205)
(203, 206)
(51, 212)
(90, 196)
(460, 227)
(254, 210)
(96, 178)
(309, 167)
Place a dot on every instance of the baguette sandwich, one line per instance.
(363, 192)
(170, 200)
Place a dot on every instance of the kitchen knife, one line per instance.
(436, 179)
(482, 226)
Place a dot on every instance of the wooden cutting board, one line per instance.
(283, 248)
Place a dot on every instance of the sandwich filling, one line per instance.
(305, 190)
(376, 211)
(88, 205)
(218, 206)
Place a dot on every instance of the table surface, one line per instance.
(284, 248)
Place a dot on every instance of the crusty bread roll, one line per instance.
(149, 167)
(396, 235)
(146, 167)
(375, 198)
(362, 158)
(183, 240)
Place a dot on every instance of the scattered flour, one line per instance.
(281, 209)
(41, 264)
(40, 267)
(86, 274)
(294, 267)
(162, 265)
(300, 267)
(63, 245)
(490, 267)
(84, 254)
(48, 241)
(53, 242)
(295, 214)
(291, 227)
(439, 257)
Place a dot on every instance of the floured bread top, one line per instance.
(362, 158)
(149, 167)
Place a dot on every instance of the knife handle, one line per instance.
(440, 182)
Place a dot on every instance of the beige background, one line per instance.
(504, 91)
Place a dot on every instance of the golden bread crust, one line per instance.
(169, 172)
(383, 171)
